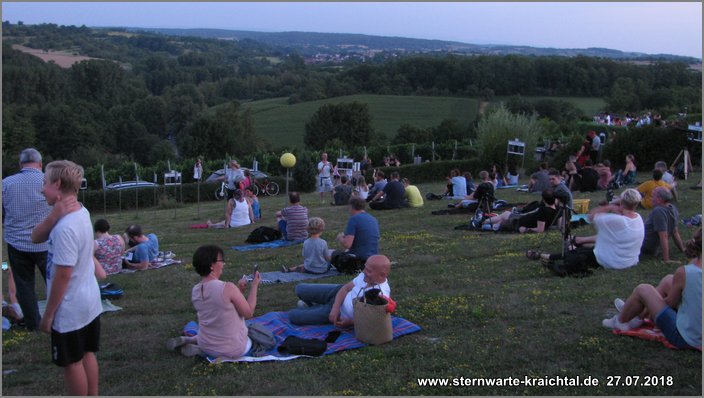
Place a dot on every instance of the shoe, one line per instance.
(487, 227)
(619, 303)
(173, 343)
(285, 269)
(169, 255)
(301, 304)
(613, 323)
(514, 210)
(190, 350)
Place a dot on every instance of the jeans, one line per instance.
(282, 229)
(320, 298)
(667, 322)
(22, 264)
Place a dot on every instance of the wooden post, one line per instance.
(136, 191)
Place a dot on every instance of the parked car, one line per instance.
(257, 175)
(116, 186)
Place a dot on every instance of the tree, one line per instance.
(499, 126)
(351, 123)
(407, 134)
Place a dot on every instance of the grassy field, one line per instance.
(485, 310)
(284, 125)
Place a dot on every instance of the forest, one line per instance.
(150, 97)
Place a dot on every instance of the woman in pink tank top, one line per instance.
(222, 309)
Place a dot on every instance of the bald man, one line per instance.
(326, 303)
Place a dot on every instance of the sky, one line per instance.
(671, 28)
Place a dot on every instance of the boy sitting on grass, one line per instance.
(316, 256)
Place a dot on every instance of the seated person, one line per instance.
(660, 225)
(238, 213)
(316, 256)
(222, 310)
(253, 202)
(586, 179)
(413, 195)
(327, 303)
(627, 176)
(675, 304)
(496, 176)
(292, 221)
(667, 177)
(617, 242)
(559, 189)
(511, 177)
(144, 248)
(379, 184)
(108, 248)
(604, 171)
(361, 190)
(646, 189)
(539, 181)
(361, 235)
(537, 220)
(342, 192)
(485, 190)
(393, 196)
(456, 185)
(469, 182)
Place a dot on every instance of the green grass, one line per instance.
(589, 105)
(284, 125)
(485, 310)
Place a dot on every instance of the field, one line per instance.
(284, 125)
(61, 58)
(485, 311)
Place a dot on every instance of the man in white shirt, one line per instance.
(324, 177)
(326, 303)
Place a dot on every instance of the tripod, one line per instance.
(687, 162)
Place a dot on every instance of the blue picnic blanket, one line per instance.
(281, 327)
(287, 277)
(583, 217)
(267, 245)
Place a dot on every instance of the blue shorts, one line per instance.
(667, 322)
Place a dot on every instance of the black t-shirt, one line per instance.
(485, 188)
(544, 214)
(590, 179)
(394, 193)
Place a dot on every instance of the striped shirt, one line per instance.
(296, 217)
(23, 207)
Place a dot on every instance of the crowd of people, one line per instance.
(47, 228)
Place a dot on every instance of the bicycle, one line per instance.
(269, 188)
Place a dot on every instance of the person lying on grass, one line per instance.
(316, 256)
(328, 303)
(222, 309)
(675, 304)
(536, 220)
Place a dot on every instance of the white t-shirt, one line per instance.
(71, 244)
(325, 172)
(618, 240)
(668, 178)
(346, 310)
(459, 187)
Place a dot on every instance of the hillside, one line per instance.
(310, 43)
(284, 125)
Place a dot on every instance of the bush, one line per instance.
(649, 144)
(498, 127)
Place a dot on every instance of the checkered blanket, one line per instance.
(281, 327)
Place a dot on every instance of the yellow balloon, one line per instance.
(288, 160)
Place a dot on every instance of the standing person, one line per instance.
(233, 176)
(23, 207)
(324, 177)
(198, 170)
(596, 146)
(73, 308)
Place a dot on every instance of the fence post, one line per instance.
(102, 176)
(136, 191)
(119, 196)
(154, 190)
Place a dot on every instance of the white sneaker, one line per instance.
(18, 309)
(613, 323)
(619, 303)
(301, 304)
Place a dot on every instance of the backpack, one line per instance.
(298, 346)
(263, 234)
(346, 262)
(574, 264)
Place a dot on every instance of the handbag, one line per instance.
(297, 346)
(372, 322)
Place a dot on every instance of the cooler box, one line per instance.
(580, 206)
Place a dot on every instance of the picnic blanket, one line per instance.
(198, 226)
(156, 264)
(267, 245)
(287, 277)
(507, 186)
(648, 331)
(281, 327)
(107, 306)
(580, 218)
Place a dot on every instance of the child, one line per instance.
(73, 308)
(254, 202)
(316, 256)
